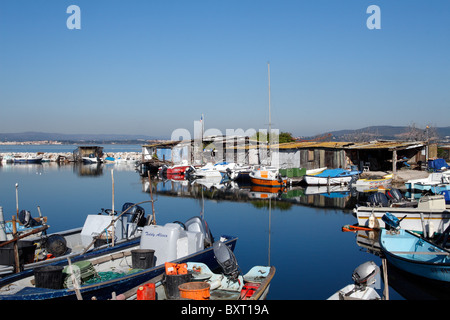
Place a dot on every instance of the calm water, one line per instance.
(300, 235)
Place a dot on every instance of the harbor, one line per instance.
(264, 220)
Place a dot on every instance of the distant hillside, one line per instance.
(42, 136)
(389, 133)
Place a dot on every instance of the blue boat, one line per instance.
(173, 242)
(411, 253)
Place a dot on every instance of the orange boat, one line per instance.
(267, 178)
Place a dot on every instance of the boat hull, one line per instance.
(268, 182)
(103, 290)
(415, 255)
(435, 221)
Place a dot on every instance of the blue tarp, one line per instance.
(437, 164)
(336, 172)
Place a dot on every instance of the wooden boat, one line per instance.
(267, 178)
(414, 254)
(331, 176)
(203, 284)
(430, 215)
(94, 235)
(364, 277)
(117, 272)
(373, 183)
(254, 285)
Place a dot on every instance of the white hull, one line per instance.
(436, 216)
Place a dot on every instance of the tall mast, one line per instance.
(270, 120)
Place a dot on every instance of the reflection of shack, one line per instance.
(85, 152)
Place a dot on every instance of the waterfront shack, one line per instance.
(87, 151)
(365, 156)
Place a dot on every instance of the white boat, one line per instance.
(429, 215)
(7, 159)
(434, 181)
(211, 170)
(331, 176)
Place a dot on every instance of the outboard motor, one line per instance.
(226, 259)
(378, 199)
(56, 245)
(197, 224)
(391, 221)
(365, 274)
(135, 215)
(394, 195)
(26, 219)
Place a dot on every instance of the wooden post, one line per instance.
(385, 274)
(394, 164)
(151, 196)
(16, 246)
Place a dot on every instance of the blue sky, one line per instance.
(152, 66)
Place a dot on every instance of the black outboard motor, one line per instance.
(56, 245)
(378, 199)
(136, 214)
(226, 259)
(26, 219)
(394, 195)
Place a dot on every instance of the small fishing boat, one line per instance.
(267, 177)
(29, 159)
(429, 215)
(364, 278)
(119, 271)
(177, 168)
(209, 170)
(198, 282)
(373, 182)
(332, 176)
(435, 182)
(100, 231)
(414, 254)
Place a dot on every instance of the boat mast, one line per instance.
(270, 120)
(269, 136)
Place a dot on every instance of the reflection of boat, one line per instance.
(118, 272)
(430, 212)
(331, 176)
(414, 254)
(261, 192)
(336, 190)
(364, 277)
